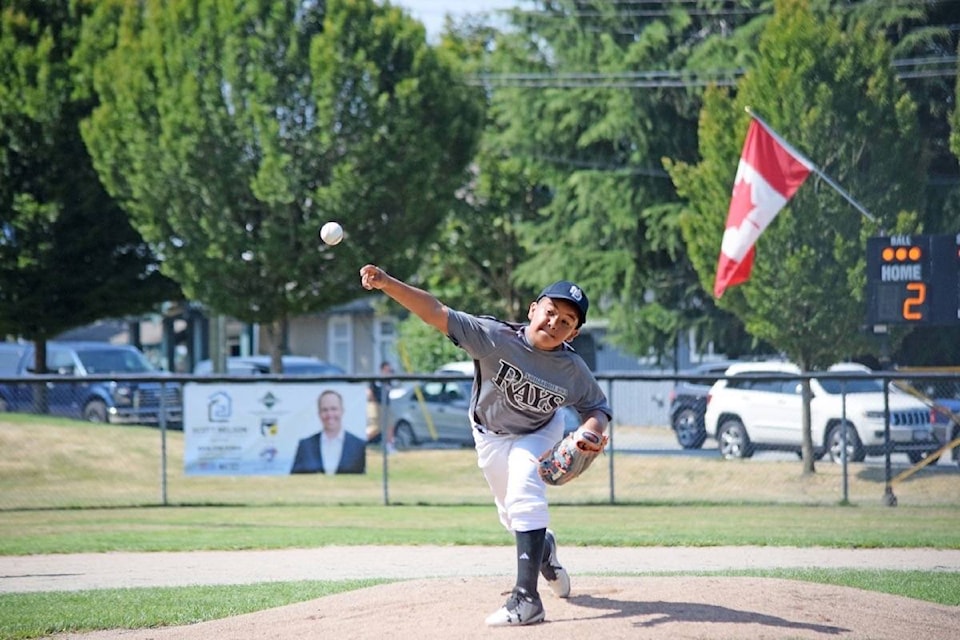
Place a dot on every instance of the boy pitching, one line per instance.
(523, 374)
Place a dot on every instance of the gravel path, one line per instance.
(70, 572)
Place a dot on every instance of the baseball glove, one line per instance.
(571, 456)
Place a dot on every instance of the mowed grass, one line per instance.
(72, 487)
(277, 527)
(47, 463)
(69, 486)
(34, 615)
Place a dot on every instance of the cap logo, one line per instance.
(576, 293)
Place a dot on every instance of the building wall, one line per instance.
(307, 336)
(364, 358)
(355, 340)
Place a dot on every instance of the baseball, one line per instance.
(331, 233)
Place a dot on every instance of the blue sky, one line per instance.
(432, 12)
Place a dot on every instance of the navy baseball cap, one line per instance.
(566, 290)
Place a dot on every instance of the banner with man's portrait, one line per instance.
(266, 428)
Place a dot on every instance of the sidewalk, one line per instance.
(72, 572)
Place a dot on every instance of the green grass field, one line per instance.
(55, 464)
(72, 487)
(275, 527)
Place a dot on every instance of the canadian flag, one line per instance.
(769, 173)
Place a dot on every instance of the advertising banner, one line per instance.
(267, 428)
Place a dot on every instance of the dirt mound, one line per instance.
(599, 607)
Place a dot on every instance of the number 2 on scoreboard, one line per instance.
(911, 302)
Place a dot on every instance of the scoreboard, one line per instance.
(913, 280)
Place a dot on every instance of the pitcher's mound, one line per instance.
(599, 607)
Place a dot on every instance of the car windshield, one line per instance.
(9, 360)
(836, 386)
(114, 361)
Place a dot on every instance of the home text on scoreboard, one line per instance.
(913, 280)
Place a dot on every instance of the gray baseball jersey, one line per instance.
(517, 387)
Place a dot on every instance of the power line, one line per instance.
(638, 9)
(593, 165)
(622, 80)
(906, 68)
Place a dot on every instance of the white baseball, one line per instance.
(331, 233)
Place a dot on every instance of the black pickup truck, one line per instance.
(124, 400)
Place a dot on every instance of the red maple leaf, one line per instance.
(741, 203)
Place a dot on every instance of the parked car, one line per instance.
(447, 403)
(463, 367)
(260, 365)
(942, 395)
(688, 402)
(116, 401)
(946, 423)
(751, 410)
(444, 403)
(11, 355)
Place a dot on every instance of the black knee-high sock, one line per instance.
(529, 553)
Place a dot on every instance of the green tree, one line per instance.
(484, 225)
(831, 92)
(232, 130)
(924, 38)
(472, 262)
(68, 254)
(422, 348)
(548, 84)
(576, 107)
(955, 114)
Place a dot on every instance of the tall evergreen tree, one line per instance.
(577, 107)
(924, 39)
(68, 254)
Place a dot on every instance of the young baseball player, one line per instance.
(523, 374)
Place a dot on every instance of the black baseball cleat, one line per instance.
(556, 576)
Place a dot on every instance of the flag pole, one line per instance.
(813, 167)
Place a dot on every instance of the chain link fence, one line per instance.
(53, 456)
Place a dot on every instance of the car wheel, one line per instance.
(403, 437)
(855, 450)
(690, 433)
(733, 441)
(95, 411)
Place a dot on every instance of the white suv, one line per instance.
(752, 409)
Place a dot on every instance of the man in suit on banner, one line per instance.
(333, 449)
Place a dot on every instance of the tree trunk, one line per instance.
(807, 442)
(277, 334)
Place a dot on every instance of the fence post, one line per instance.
(613, 499)
(383, 404)
(163, 442)
(889, 499)
(843, 441)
